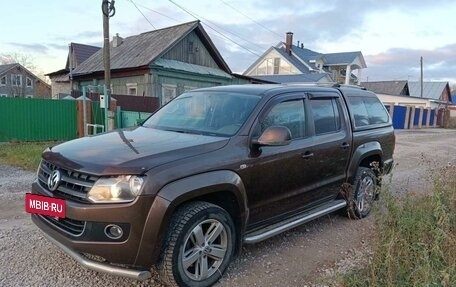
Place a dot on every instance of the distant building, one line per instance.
(435, 94)
(18, 82)
(60, 80)
(286, 63)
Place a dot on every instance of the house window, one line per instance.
(16, 80)
(276, 65)
(168, 93)
(29, 96)
(29, 82)
(188, 88)
(3, 81)
(132, 89)
(3, 96)
(190, 47)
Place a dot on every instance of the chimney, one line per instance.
(116, 40)
(289, 42)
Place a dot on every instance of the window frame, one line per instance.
(295, 96)
(4, 96)
(27, 79)
(14, 78)
(369, 125)
(6, 80)
(335, 104)
(164, 101)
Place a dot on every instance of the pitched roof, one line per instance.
(305, 59)
(293, 60)
(431, 90)
(5, 68)
(141, 50)
(81, 53)
(343, 58)
(395, 88)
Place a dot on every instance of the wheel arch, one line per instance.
(363, 156)
(223, 188)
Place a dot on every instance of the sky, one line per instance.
(391, 34)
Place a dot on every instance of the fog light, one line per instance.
(113, 231)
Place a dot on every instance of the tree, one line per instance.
(26, 60)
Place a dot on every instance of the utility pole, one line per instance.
(421, 80)
(108, 11)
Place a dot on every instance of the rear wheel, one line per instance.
(363, 194)
(199, 245)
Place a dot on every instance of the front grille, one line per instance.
(73, 185)
(70, 226)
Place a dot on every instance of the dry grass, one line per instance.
(416, 240)
(24, 155)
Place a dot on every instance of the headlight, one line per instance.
(124, 188)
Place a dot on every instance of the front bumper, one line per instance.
(99, 266)
(134, 215)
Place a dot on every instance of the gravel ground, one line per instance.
(302, 257)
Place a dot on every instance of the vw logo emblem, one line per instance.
(54, 180)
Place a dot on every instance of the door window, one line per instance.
(289, 114)
(326, 115)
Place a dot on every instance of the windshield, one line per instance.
(208, 113)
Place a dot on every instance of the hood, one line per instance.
(132, 151)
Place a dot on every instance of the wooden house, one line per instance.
(162, 63)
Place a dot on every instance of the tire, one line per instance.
(364, 193)
(198, 247)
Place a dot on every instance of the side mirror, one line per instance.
(274, 136)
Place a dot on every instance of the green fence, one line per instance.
(37, 119)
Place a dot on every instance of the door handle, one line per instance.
(345, 145)
(307, 154)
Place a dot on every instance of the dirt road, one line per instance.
(296, 258)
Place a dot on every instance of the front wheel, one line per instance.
(199, 245)
(364, 193)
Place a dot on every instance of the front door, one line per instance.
(281, 172)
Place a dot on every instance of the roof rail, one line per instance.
(349, 86)
(332, 85)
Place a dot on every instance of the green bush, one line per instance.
(415, 243)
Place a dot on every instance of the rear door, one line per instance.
(332, 140)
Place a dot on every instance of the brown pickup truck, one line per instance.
(214, 169)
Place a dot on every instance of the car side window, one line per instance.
(289, 114)
(326, 115)
(367, 111)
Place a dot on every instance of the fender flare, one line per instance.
(177, 192)
(363, 151)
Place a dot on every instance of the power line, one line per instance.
(159, 13)
(196, 16)
(143, 14)
(221, 35)
(251, 19)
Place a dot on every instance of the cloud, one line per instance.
(79, 37)
(403, 63)
(58, 46)
(33, 47)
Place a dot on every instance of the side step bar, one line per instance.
(293, 222)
